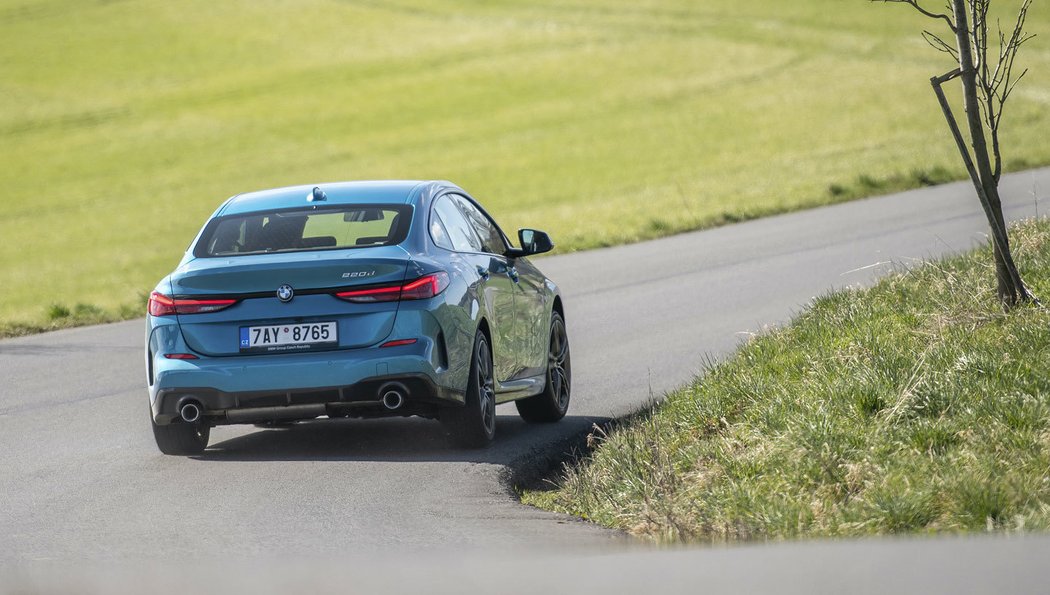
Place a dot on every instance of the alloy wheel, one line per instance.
(486, 387)
(557, 363)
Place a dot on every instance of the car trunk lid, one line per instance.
(314, 277)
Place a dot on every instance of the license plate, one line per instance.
(289, 337)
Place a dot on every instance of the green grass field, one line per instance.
(124, 124)
(915, 406)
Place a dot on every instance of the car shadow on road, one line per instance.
(401, 440)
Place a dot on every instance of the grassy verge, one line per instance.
(641, 119)
(59, 316)
(913, 406)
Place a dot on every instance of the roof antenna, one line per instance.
(317, 195)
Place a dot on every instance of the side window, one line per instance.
(437, 231)
(460, 234)
(491, 238)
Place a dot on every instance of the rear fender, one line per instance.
(457, 314)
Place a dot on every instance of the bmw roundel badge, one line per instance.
(285, 293)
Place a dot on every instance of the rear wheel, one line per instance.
(181, 438)
(474, 424)
(553, 402)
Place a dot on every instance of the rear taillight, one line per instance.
(162, 305)
(425, 287)
(375, 294)
(422, 288)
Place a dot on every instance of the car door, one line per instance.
(531, 302)
(496, 287)
(528, 334)
(504, 281)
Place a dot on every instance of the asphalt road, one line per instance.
(82, 483)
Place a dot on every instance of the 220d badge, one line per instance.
(391, 299)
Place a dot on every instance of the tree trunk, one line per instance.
(1011, 289)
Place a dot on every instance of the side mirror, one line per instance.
(534, 241)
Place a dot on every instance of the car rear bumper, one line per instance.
(362, 399)
(244, 389)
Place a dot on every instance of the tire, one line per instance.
(474, 424)
(551, 405)
(180, 438)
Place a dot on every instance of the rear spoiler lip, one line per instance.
(298, 292)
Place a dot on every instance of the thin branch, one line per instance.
(933, 15)
(1010, 88)
(979, 35)
(940, 45)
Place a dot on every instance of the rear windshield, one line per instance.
(293, 230)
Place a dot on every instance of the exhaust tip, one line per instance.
(190, 412)
(392, 395)
(393, 400)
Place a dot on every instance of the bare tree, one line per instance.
(987, 82)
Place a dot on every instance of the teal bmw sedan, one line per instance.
(354, 299)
